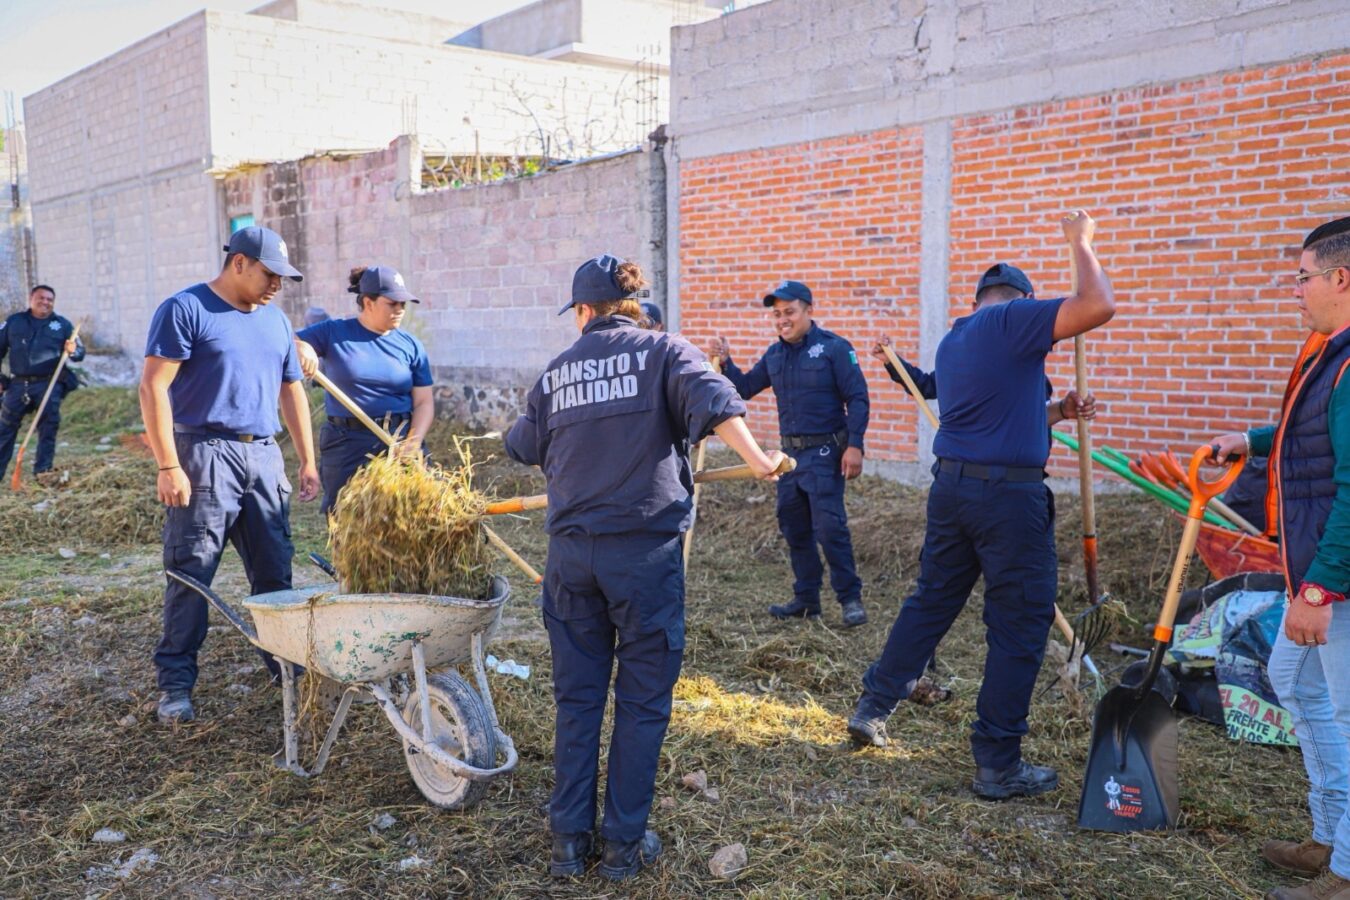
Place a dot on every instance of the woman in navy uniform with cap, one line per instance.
(379, 366)
(609, 422)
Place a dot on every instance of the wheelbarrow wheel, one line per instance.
(461, 727)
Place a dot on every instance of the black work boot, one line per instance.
(867, 725)
(796, 608)
(570, 854)
(1021, 779)
(624, 859)
(854, 614)
(175, 707)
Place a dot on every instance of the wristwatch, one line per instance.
(1316, 595)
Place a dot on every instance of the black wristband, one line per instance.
(169, 468)
(1062, 413)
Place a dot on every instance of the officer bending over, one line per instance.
(822, 416)
(217, 362)
(990, 513)
(610, 423)
(34, 340)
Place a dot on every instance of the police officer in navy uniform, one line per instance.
(34, 340)
(609, 423)
(990, 514)
(383, 369)
(822, 416)
(218, 360)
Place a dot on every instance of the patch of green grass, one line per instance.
(94, 412)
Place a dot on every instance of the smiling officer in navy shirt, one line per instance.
(382, 368)
(218, 360)
(990, 514)
(610, 423)
(822, 416)
(34, 340)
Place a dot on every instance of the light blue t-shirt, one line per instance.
(233, 362)
(378, 371)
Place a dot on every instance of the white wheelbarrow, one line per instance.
(450, 732)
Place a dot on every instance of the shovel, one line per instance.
(1131, 778)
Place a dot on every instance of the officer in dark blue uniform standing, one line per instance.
(218, 360)
(822, 416)
(990, 514)
(382, 368)
(34, 340)
(609, 423)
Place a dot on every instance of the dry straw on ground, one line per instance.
(403, 527)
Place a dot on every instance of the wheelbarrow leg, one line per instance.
(480, 675)
(338, 718)
(290, 745)
(420, 670)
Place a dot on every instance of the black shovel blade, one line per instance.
(1131, 778)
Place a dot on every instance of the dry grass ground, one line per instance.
(761, 710)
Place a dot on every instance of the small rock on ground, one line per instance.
(108, 836)
(696, 781)
(728, 862)
(66, 553)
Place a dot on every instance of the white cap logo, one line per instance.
(281, 245)
(398, 280)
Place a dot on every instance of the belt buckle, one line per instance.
(246, 438)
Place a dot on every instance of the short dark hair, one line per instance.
(999, 292)
(42, 287)
(1333, 250)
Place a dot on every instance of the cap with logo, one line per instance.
(1003, 273)
(267, 247)
(383, 281)
(652, 311)
(789, 290)
(597, 281)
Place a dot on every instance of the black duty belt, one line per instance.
(223, 435)
(394, 420)
(807, 441)
(991, 473)
(29, 379)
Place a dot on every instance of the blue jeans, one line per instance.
(1313, 683)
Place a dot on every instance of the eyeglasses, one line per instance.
(1302, 277)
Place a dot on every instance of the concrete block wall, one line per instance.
(16, 224)
(117, 154)
(285, 90)
(1205, 137)
(492, 264)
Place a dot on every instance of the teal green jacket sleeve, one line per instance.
(1331, 566)
(1262, 440)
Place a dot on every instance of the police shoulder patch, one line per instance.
(55, 326)
(853, 356)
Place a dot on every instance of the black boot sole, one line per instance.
(567, 870)
(804, 614)
(986, 791)
(627, 872)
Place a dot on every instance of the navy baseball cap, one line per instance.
(383, 281)
(596, 281)
(1003, 273)
(652, 311)
(267, 247)
(789, 290)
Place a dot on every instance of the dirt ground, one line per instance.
(761, 709)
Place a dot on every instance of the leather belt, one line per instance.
(224, 435)
(395, 419)
(991, 473)
(807, 441)
(29, 379)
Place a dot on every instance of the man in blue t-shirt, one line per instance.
(990, 514)
(380, 367)
(218, 360)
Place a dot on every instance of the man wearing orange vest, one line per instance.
(1309, 454)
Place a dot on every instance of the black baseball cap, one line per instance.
(597, 281)
(383, 281)
(652, 311)
(1004, 273)
(789, 290)
(267, 247)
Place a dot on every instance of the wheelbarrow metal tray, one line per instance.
(354, 638)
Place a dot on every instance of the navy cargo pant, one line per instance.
(811, 512)
(240, 493)
(21, 398)
(342, 451)
(606, 597)
(1004, 530)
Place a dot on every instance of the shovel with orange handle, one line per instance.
(16, 480)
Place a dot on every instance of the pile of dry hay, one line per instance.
(109, 501)
(400, 526)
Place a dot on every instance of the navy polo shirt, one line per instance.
(817, 382)
(610, 422)
(233, 362)
(378, 371)
(990, 372)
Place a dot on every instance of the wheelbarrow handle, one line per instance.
(216, 601)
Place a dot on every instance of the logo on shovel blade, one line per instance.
(1124, 798)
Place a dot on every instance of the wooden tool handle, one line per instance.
(741, 472)
(1084, 451)
(323, 381)
(909, 383)
(495, 540)
(517, 504)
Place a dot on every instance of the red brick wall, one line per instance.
(1202, 191)
(841, 215)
